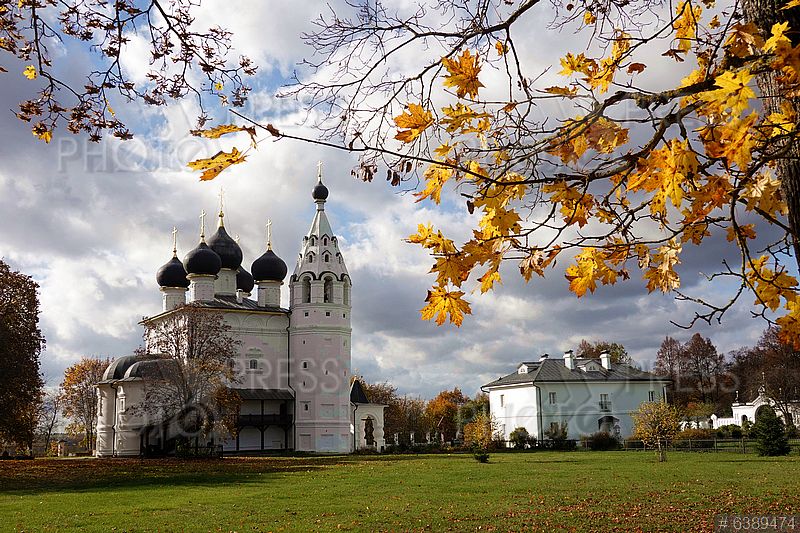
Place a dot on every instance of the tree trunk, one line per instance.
(765, 13)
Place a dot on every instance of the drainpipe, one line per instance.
(114, 425)
(289, 382)
(539, 411)
(355, 428)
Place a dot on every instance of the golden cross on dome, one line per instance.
(221, 205)
(174, 241)
(269, 234)
(319, 171)
(202, 224)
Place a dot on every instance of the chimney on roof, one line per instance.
(544, 357)
(605, 360)
(569, 360)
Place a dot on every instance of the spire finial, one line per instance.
(221, 207)
(319, 171)
(203, 225)
(174, 241)
(269, 234)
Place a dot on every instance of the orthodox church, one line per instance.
(295, 382)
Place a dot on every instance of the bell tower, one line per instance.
(319, 337)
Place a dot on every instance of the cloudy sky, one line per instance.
(91, 223)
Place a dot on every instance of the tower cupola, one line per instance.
(224, 245)
(171, 278)
(202, 266)
(269, 270)
(244, 281)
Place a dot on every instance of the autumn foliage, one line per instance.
(21, 343)
(79, 397)
(655, 424)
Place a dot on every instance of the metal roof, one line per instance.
(264, 394)
(555, 371)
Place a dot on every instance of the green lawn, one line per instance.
(545, 491)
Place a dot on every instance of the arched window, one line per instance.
(310, 257)
(328, 290)
(326, 258)
(306, 291)
(305, 364)
(313, 241)
(325, 241)
(346, 293)
(253, 364)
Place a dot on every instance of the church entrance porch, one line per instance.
(265, 421)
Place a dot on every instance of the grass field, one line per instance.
(545, 491)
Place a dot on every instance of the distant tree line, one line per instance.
(706, 382)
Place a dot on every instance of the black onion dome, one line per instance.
(172, 274)
(320, 192)
(226, 248)
(202, 260)
(244, 281)
(269, 267)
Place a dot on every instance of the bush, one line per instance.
(481, 456)
(556, 438)
(600, 441)
(696, 434)
(770, 434)
(695, 438)
(730, 431)
(521, 439)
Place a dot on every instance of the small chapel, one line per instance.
(295, 384)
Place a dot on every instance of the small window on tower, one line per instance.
(310, 258)
(324, 241)
(312, 241)
(326, 258)
(305, 407)
(305, 364)
(327, 313)
(253, 364)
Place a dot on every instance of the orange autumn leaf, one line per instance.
(212, 166)
(463, 74)
(415, 120)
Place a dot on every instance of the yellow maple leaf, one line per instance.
(661, 271)
(743, 40)
(588, 17)
(41, 131)
(685, 24)
(589, 268)
(733, 92)
(218, 86)
(416, 120)
(442, 303)
(569, 92)
(792, 4)
(790, 323)
(573, 64)
(433, 240)
(778, 37)
(436, 176)
(30, 72)
(449, 269)
(488, 280)
(501, 47)
(745, 231)
(463, 74)
(212, 166)
(763, 192)
(770, 286)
